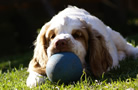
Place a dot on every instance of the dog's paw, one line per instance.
(136, 53)
(121, 55)
(113, 67)
(34, 79)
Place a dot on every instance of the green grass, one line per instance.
(116, 79)
(14, 78)
(13, 75)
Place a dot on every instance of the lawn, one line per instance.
(13, 75)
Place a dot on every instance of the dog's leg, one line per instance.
(123, 48)
(131, 51)
(121, 55)
(113, 52)
(34, 79)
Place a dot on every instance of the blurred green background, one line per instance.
(20, 19)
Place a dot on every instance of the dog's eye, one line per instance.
(77, 34)
(52, 36)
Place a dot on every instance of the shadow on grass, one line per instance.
(128, 69)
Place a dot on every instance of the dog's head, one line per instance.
(69, 34)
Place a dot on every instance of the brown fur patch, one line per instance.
(99, 57)
(38, 63)
(82, 36)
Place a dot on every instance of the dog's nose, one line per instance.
(61, 43)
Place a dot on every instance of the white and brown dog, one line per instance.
(75, 30)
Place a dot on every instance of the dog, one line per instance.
(98, 47)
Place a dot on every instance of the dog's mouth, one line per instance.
(61, 48)
(60, 51)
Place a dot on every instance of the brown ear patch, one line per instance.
(99, 57)
(38, 63)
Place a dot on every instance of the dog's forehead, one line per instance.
(64, 24)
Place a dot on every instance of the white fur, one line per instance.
(77, 46)
(69, 19)
(114, 41)
(34, 79)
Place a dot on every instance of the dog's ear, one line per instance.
(99, 57)
(38, 63)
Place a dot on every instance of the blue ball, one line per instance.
(64, 68)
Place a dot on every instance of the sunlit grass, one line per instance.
(16, 80)
(125, 77)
